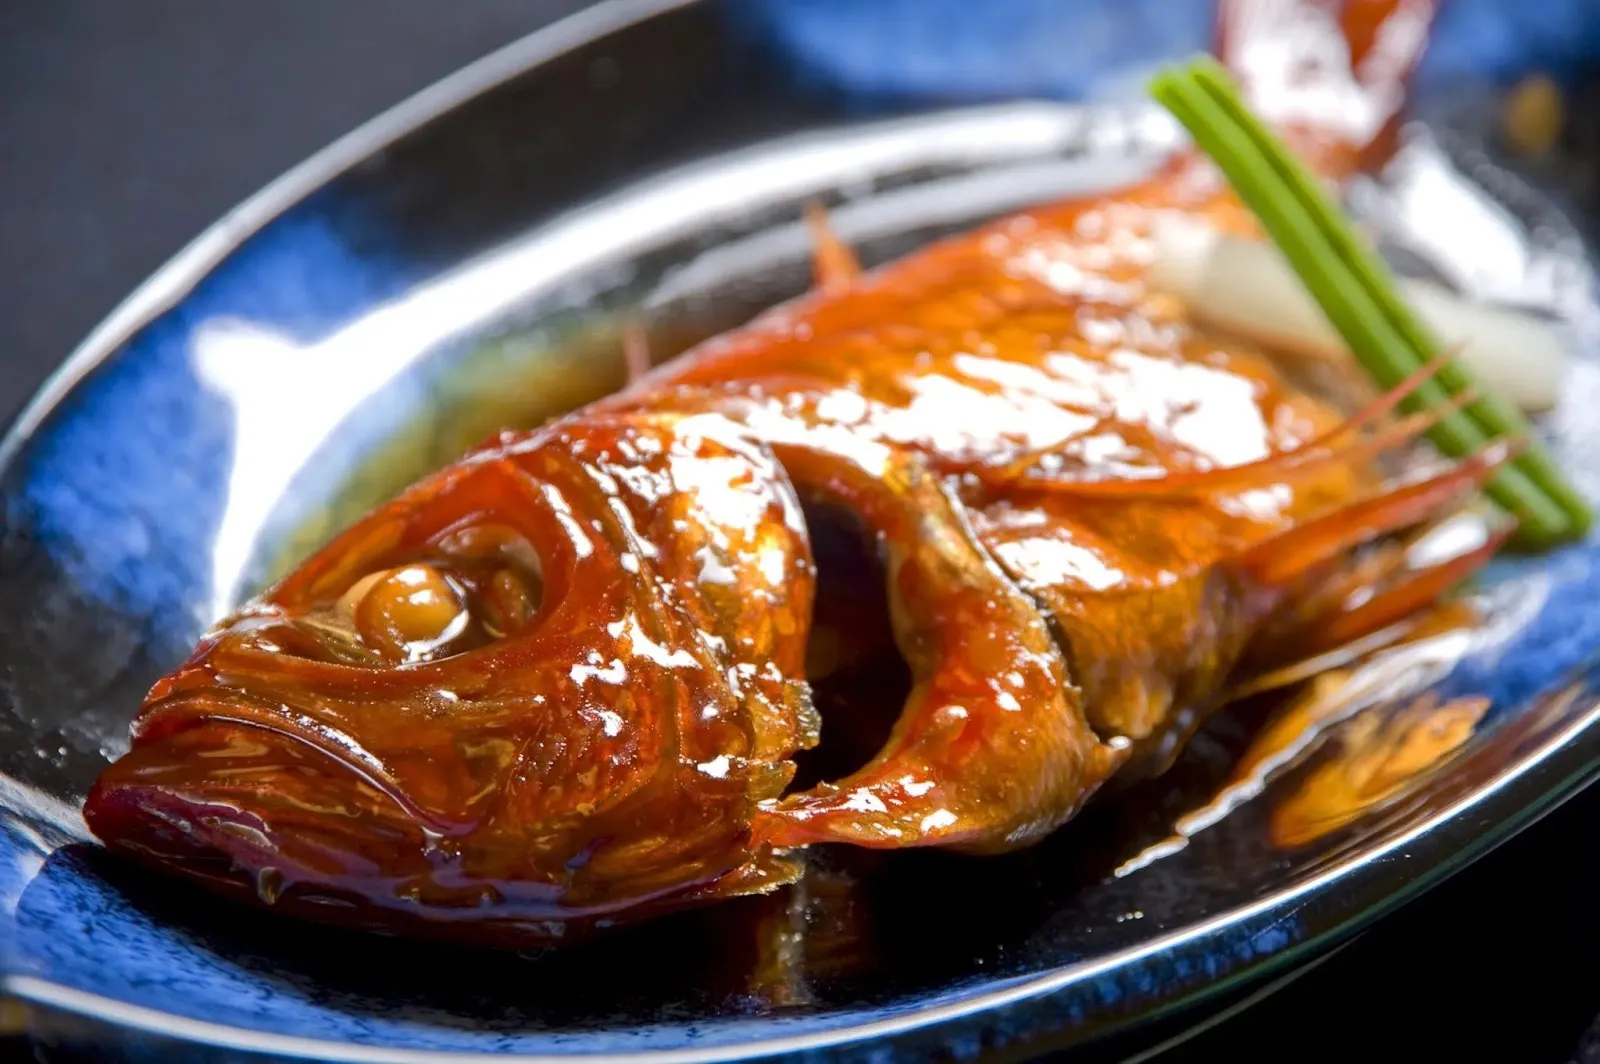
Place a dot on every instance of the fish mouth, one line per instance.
(273, 821)
(277, 821)
(254, 811)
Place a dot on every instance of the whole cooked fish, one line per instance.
(560, 684)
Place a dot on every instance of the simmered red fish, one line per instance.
(561, 684)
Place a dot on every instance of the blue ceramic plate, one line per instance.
(464, 263)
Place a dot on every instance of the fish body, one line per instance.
(560, 685)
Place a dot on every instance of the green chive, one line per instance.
(1360, 298)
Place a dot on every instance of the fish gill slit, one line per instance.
(859, 678)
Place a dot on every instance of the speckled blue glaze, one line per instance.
(142, 443)
(70, 907)
(114, 499)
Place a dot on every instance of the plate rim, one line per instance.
(170, 283)
(1036, 990)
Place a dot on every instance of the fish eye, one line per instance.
(477, 584)
(407, 612)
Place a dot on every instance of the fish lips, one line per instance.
(257, 811)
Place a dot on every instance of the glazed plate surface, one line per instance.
(466, 263)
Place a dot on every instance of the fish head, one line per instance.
(507, 698)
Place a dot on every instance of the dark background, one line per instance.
(128, 126)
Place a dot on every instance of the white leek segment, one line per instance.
(1247, 288)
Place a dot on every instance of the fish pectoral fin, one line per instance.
(1298, 552)
(992, 749)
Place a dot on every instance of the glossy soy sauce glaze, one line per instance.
(558, 686)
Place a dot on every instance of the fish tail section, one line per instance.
(1332, 75)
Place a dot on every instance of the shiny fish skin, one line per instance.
(559, 685)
